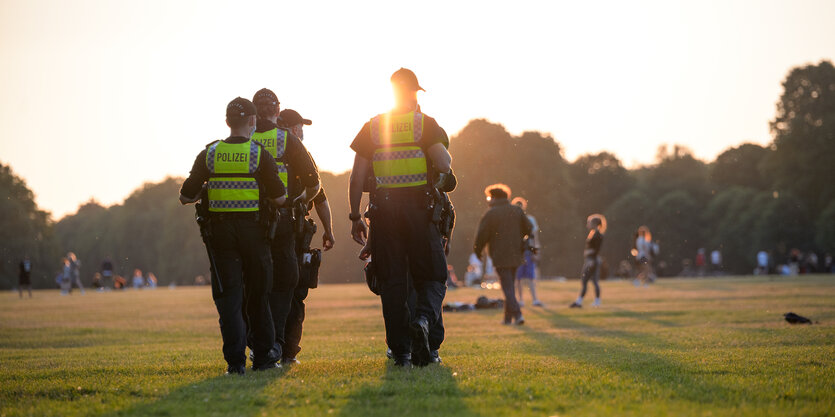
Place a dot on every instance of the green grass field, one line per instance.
(715, 347)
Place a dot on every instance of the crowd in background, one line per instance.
(104, 279)
(642, 266)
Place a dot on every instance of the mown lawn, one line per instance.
(715, 347)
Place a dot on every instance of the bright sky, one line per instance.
(100, 96)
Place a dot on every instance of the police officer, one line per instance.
(436, 332)
(400, 147)
(238, 173)
(300, 176)
(294, 122)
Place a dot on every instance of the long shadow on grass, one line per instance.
(427, 391)
(222, 395)
(649, 316)
(618, 355)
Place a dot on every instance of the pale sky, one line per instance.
(100, 96)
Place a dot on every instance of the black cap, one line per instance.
(291, 118)
(407, 79)
(266, 96)
(239, 108)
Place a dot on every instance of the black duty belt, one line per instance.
(247, 215)
(409, 193)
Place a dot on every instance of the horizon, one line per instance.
(620, 78)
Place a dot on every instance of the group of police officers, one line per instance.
(254, 191)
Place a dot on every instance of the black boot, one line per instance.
(235, 370)
(421, 354)
(270, 361)
(403, 361)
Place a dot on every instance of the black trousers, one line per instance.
(405, 242)
(285, 276)
(241, 267)
(591, 271)
(507, 277)
(436, 332)
(295, 321)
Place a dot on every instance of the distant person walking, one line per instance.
(701, 262)
(526, 273)
(502, 230)
(75, 272)
(596, 224)
(645, 251)
(24, 279)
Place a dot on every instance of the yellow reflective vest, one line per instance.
(275, 141)
(232, 185)
(398, 161)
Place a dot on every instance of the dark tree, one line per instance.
(783, 223)
(825, 229)
(597, 181)
(730, 220)
(740, 166)
(677, 169)
(24, 230)
(676, 226)
(151, 231)
(624, 216)
(804, 136)
(532, 165)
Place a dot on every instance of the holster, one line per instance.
(308, 231)
(299, 212)
(371, 278)
(203, 218)
(270, 217)
(304, 229)
(443, 214)
(309, 263)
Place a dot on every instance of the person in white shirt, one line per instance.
(762, 263)
(475, 270)
(716, 261)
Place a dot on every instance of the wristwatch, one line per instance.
(354, 217)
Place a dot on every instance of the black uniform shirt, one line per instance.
(432, 134)
(302, 171)
(593, 243)
(266, 174)
(320, 196)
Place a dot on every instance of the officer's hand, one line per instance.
(365, 253)
(327, 241)
(446, 182)
(359, 231)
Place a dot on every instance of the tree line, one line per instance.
(775, 197)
